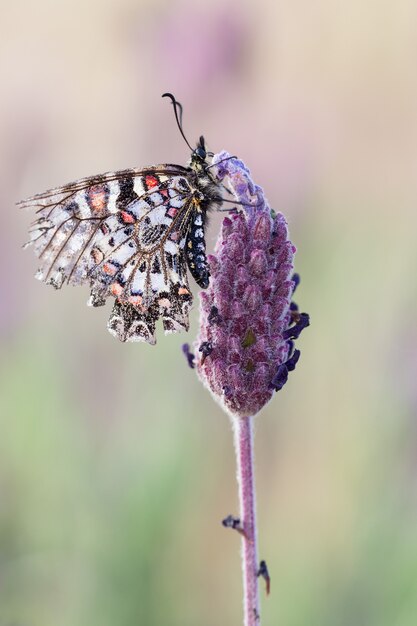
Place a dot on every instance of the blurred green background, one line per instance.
(116, 467)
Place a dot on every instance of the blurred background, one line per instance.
(116, 466)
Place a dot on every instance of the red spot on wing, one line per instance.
(116, 289)
(97, 198)
(127, 217)
(151, 181)
(136, 301)
(172, 212)
(109, 269)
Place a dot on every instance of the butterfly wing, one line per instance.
(124, 233)
(73, 218)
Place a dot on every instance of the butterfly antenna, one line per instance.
(178, 115)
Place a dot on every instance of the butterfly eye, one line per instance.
(201, 153)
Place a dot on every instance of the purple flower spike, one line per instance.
(248, 324)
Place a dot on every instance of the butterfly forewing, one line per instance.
(124, 233)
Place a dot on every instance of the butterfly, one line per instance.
(131, 234)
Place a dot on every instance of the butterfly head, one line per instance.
(199, 156)
(200, 150)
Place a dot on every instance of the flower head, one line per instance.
(248, 323)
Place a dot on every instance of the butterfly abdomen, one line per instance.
(196, 250)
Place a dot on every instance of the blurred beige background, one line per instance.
(116, 466)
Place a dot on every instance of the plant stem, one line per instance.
(243, 430)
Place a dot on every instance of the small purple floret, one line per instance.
(294, 331)
(213, 316)
(280, 378)
(247, 320)
(206, 348)
(188, 355)
(292, 361)
(296, 280)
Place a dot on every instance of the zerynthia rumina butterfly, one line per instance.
(131, 234)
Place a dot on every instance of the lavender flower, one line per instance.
(245, 349)
(248, 323)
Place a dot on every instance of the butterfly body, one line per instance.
(130, 234)
(196, 249)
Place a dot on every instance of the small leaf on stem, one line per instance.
(263, 571)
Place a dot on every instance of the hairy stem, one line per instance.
(243, 429)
